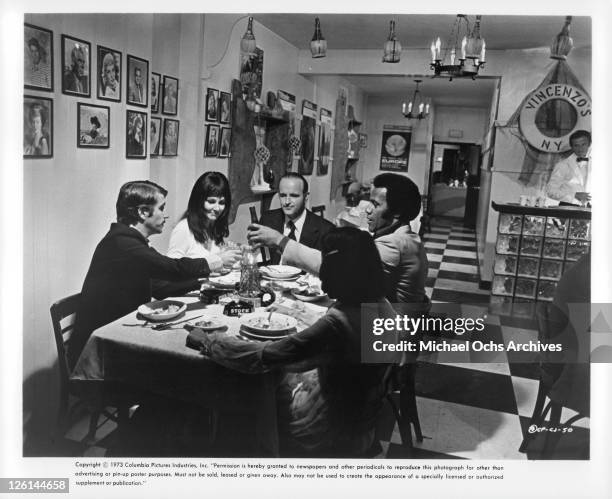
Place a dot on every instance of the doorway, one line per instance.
(454, 181)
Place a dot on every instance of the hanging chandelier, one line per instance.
(465, 58)
(417, 108)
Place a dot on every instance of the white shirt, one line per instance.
(184, 244)
(569, 177)
(299, 225)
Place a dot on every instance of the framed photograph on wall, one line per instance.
(37, 58)
(135, 134)
(212, 100)
(211, 147)
(93, 126)
(137, 81)
(37, 127)
(225, 109)
(76, 66)
(155, 136)
(171, 137)
(109, 74)
(155, 91)
(170, 104)
(226, 136)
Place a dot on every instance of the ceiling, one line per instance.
(460, 92)
(369, 31)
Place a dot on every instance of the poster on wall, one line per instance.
(307, 137)
(324, 142)
(395, 150)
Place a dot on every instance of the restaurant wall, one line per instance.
(470, 121)
(69, 199)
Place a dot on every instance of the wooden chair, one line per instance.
(319, 210)
(406, 413)
(62, 316)
(551, 320)
(426, 218)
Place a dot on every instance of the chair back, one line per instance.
(63, 313)
(319, 210)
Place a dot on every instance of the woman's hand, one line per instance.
(230, 256)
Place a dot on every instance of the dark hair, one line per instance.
(133, 195)
(95, 121)
(297, 175)
(403, 196)
(209, 184)
(578, 134)
(351, 270)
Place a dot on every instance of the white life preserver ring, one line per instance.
(575, 97)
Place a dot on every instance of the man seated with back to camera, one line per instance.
(123, 264)
(293, 220)
(394, 202)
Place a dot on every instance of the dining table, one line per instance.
(130, 353)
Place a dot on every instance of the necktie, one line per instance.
(291, 226)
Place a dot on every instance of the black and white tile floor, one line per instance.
(471, 411)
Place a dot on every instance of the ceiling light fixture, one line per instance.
(471, 55)
(318, 44)
(392, 48)
(417, 108)
(248, 43)
(562, 43)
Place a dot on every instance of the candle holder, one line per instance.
(471, 51)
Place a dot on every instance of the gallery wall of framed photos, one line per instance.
(104, 93)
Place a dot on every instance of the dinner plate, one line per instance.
(256, 323)
(162, 310)
(219, 273)
(210, 323)
(280, 271)
(225, 281)
(258, 337)
(296, 294)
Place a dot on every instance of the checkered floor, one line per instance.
(473, 411)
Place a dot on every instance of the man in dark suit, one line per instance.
(75, 79)
(293, 219)
(123, 264)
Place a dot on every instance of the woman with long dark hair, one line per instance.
(330, 399)
(201, 231)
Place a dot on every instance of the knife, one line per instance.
(161, 327)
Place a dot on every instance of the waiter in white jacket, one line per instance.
(570, 181)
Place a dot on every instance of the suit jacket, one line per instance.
(405, 265)
(315, 227)
(71, 82)
(119, 280)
